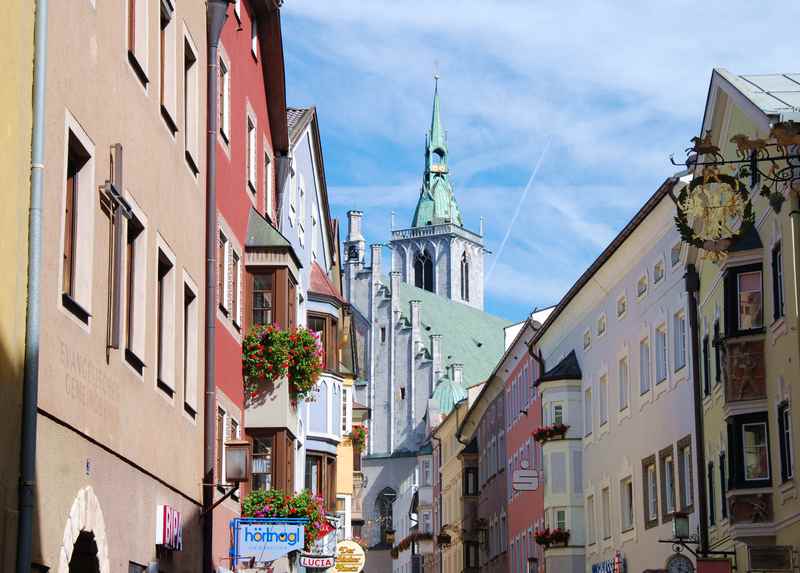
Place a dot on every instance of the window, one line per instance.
(383, 334)
(650, 492)
(706, 367)
(344, 417)
(644, 366)
(426, 472)
(603, 399)
(135, 568)
(327, 330)
(224, 100)
(190, 350)
(641, 286)
(685, 475)
(587, 412)
(661, 354)
(168, 65)
(269, 177)
(601, 325)
(254, 37)
(137, 38)
(786, 443)
(743, 300)
(222, 272)
(292, 192)
(470, 481)
(777, 282)
(558, 414)
(723, 485)
(679, 332)
(675, 254)
(624, 383)
(755, 450)
(78, 214)
(587, 339)
(262, 463)
(262, 293)
(135, 246)
(622, 306)
(606, 496)
(717, 351)
(712, 514)
(191, 106)
(658, 272)
(235, 281)
(301, 208)
(314, 474)
(626, 499)
(667, 462)
(591, 535)
(561, 518)
(219, 467)
(423, 271)
(251, 153)
(471, 555)
(464, 277)
(165, 335)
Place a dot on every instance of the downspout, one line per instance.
(216, 14)
(30, 384)
(692, 289)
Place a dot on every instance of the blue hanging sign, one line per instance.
(614, 565)
(265, 539)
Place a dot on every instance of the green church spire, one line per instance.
(437, 203)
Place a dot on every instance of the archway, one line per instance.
(84, 554)
(84, 548)
(383, 511)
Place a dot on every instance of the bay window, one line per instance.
(748, 446)
(744, 300)
(327, 329)
(785, 430)
(754, 448)
(272, 464)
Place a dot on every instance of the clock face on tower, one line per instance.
(352, 252)
(679, 563)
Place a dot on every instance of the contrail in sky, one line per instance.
(517, 210)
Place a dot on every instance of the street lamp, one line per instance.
(680, 525)
(237, 458)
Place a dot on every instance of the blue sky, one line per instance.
(614, 87)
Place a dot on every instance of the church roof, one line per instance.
(469, 336)
(448, 393)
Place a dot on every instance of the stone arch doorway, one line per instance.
(84, 549)
(84, 554)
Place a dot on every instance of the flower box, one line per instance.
(358, 436)
(552, 432)
(548, 537)
(277, 503)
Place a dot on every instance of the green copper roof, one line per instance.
(469, 336)
(448, 393)
(437, 202)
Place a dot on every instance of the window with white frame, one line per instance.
(165, 323)
(644, 365)
(168, 64)
(685, 474)
(587, 412)
(777, 282)
(558, 414)
(603, 399)
(675, 253)
(624, 383)
(292, 192)
(641, 286)
(601, 325)
(254, 37)
(606, 497)
(622, 306)
(191, 351)
(679, 332)
(786, 441)
(560, 518)
(626, 500)
(591, 535)
(658, 272)
(301, 208)
(191, 105)
(756, 451)
(652, 492)
(135, 292)
(661, 353)
(224, 100)
(137, 36)
(236, 273)
(269, 178)
(587, 339)
(251, 153)
(669, 483)
(222, 272)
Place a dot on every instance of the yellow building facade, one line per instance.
(749, 349)
(17, 17)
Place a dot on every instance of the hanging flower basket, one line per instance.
(277, 503)
(359, 436)
(553, 432)
(270, 353)
(547, 537)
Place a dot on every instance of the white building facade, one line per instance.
(618, 373)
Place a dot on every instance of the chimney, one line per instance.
(436, 355)
(458, 373)
(376, 262)
(354, 226)
(395, 283)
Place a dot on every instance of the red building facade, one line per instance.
(251, 141)
(524, 455)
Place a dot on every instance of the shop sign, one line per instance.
(713, 565)
(317, 561)
(350, 557)
(266, 539)
(525, 479)
(614, 565)
(169, 528)
(770, 557)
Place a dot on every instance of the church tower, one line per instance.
(437, 253)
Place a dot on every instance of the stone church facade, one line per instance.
(429, 340)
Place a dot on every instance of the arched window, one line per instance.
(383, 511)
(423, 271)
(464, 277)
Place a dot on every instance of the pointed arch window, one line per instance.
(465, 277)
(423, 271)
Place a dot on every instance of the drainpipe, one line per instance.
(30, 385)
(692, 279)
(216, 14)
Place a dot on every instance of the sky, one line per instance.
(598, 93)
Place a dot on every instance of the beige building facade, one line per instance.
(120, 424)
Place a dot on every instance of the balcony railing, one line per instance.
(432, 230)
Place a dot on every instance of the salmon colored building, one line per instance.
(252, 139)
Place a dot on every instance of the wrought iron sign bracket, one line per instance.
(680, 545)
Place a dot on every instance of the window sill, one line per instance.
(74, 307)
(223, 310)
(164, 387)
(134, 361)
(191, 163)
(171, 125)
(138, 69)
(236, 326)
(189, 410)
